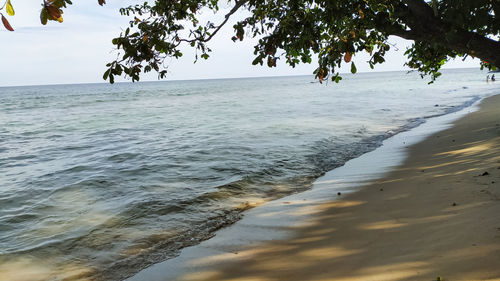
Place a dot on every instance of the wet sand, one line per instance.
(436, 215)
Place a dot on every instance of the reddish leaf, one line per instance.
(53, 11)
(361, 14)
(271, 61)
(321, 75)
(6, 24)
(347, 57)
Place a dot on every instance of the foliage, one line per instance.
(294, 31)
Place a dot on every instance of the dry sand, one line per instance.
(437, 215)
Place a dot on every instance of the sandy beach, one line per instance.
(434, 216)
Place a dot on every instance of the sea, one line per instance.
(99, 181)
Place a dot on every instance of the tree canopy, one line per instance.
(292, 32)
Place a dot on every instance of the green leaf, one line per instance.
(257, 60)
(353, 68)
(106, 74)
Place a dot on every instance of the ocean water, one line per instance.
(98, 181)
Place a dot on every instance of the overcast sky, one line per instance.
(77, 50)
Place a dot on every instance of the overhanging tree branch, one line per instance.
(236, 7)
(434, 30)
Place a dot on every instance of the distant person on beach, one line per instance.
(493, 77)
(487, 78)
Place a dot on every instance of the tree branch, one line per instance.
(237, 5)
(496, 8)
(420, 8)
(400, 32)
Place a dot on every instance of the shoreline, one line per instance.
(274, 220)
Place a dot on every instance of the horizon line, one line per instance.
(219, 78)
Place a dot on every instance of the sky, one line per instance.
(77, 50)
